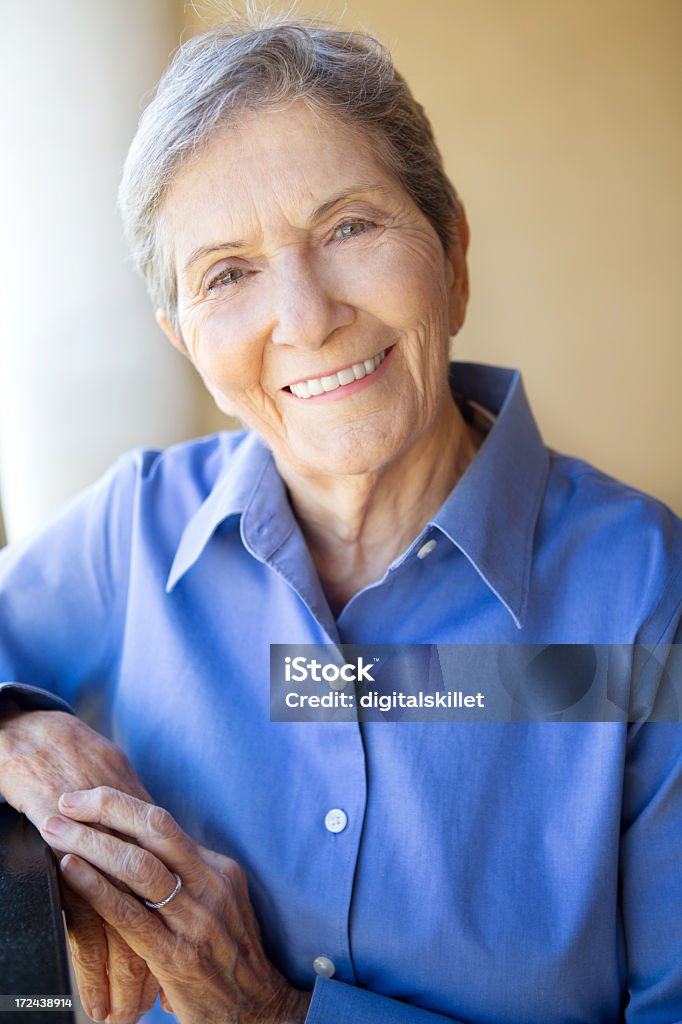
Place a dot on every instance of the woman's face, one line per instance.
(300, 259)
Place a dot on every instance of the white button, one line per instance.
(426, 549)
(335, 820)
(324, 967)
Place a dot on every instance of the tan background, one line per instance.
(560, 124)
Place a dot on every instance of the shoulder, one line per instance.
(580, 494)
(625, 544)
(146, 490)
(174, 481)
(130, 521)
(196, 463)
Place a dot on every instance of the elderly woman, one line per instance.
(288, 207)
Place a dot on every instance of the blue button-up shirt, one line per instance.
(486, 872)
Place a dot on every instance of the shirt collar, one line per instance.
(250, 487)
(492, 511)
(490, 515)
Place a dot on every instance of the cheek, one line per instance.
(421, 306)
(406, 289)
(224, 355)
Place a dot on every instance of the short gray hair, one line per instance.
(242, 66)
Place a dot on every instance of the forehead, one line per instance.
(268, 170)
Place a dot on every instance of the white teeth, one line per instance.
(318, 385)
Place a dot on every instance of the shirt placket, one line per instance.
(339, 789)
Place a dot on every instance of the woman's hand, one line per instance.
(42, 754)
(204, 945)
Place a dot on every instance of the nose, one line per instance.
(306, 306)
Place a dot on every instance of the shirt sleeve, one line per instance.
(651, 837)
(333, 1001)
(62, 599)
(651, 858)
(17, 697)
(651, 866)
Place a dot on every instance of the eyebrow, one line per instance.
(318, 214)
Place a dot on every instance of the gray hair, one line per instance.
(241, 66)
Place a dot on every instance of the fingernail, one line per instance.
(72, 799)
(57, 826)
(99, 1014)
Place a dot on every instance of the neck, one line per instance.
(357, 524)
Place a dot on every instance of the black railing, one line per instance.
(33, 957)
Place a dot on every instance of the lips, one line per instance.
(342, 378)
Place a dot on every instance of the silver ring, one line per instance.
(162, 903)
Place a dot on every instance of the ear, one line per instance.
(458, 275)
(176, 342)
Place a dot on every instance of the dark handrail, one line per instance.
(33, 957)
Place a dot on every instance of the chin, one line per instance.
(352, 457)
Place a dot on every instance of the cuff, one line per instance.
(19, 697)
(334, 1001)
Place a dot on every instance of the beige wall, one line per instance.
(84, 371)
(559, 121)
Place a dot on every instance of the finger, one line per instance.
(88, 944)
(152, 827)
(135, 867)
(142, 930)
(132, 988)
(149, 993)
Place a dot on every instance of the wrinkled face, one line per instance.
(315, 299)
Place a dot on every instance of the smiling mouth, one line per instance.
(342, 378)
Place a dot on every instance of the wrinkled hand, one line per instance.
(204, 946)
(44, 754)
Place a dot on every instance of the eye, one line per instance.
(352, 228)
(227, 276)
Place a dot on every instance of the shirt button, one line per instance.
(324, 967)
(335, 821)
(426, 549)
